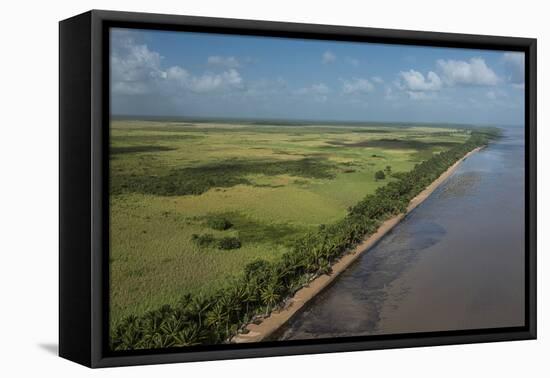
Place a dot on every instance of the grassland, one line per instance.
(272, 184)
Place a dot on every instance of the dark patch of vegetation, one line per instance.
(251, 231)
(264, 285)
(373, 131)
(301, 182)
(219, 223)
(197, 180)
(420, 156)
(208, 240)
(161, 135)
(397, 144)
(136, 149)
(229, 242)
(379, 175)
(267, 186)
(204, 240)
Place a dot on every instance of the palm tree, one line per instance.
(162, 341)
(229, 301)
(171, 326)
(198, 306)
(216, 316)
(250, 297)
(188, 336)
(270, 297)
(324, 266)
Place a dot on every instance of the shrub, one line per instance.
(380, 175)
(218, 223)
(204, 240)
(229, 242)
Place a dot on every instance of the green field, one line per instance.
(271, 183)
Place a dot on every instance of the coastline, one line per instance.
(270, 324)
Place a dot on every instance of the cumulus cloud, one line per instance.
(416, 82)
(328, 57)
(215, 82)
(177, 74)
(137, 70)
(472, 72)
(515, 67)
(320, 88)
(223, 61)
(357, 86)
(133, 65)
(377, 79)
(420, 95)
(317, 92)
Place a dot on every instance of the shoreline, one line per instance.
(272, 323)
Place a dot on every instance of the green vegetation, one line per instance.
(171, 285)
(205, 240)
(229, 242)
(134, 149)
(219, 223)
(379, 175)
(197, 180)
(208, 240)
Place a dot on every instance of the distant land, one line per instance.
(296, 122)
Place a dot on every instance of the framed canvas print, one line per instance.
(233, 188)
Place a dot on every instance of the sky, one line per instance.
(162, 73)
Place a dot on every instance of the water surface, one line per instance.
(456, 262)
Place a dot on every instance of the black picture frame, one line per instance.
(83, 195)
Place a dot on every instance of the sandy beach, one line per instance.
(269, 325)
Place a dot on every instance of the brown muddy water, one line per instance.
(455, 263)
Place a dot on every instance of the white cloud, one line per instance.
(377, 79)
(317, 92)
(223, 61)
(320, 88)
(415, 81)
(208, 82)
(328, 57)
(137, 70)
(215, 82)
(420, 95)
(133, 65)
(177, 73)
(515, 67)
(472, 72)
(357, 86)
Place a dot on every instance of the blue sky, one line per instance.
(207, 75)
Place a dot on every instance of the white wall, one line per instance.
(28, 198)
